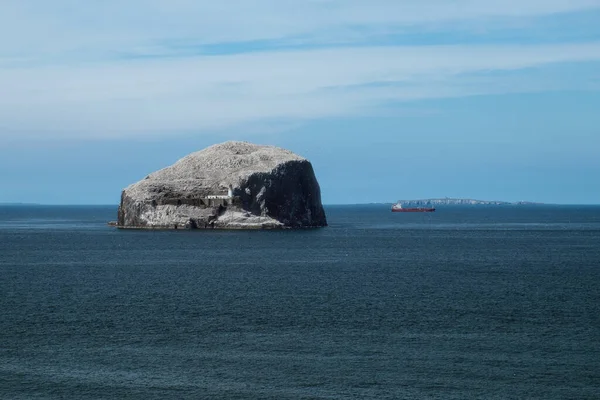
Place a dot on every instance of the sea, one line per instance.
(497, 302)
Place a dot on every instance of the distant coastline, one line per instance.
(463, 202)
(20, 204)
(54, 205)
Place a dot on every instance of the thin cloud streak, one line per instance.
(37, 29)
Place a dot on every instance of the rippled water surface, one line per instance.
(467, 302)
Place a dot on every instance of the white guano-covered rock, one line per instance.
(272, 188)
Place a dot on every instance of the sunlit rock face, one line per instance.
(233, 185)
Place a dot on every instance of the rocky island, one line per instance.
(233, 185)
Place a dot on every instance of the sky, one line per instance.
(389, 99)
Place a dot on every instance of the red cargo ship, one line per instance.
(398, 208)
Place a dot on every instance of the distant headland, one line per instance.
(463, 202)
(20, 204)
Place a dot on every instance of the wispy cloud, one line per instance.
(132, 67)
(112, 24)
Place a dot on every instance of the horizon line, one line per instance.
(507, 203)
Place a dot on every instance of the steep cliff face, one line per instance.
(271, 188)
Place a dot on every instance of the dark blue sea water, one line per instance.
(468, 302)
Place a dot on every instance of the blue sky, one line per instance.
(388, 98)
